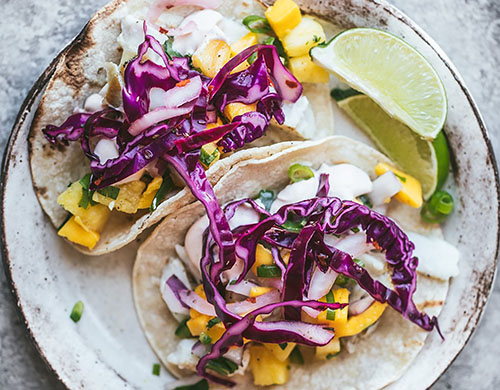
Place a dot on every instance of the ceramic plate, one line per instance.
(107, 348)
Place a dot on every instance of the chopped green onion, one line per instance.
(294, 225)
(86, 193)
(283, 346)
(296, 356)
(110, 192)
(268, 271)
(279, 48)
(341, 94)
(66, 219)
(439, 206)
(267, 198)
(252, 58)
(205, 339)
(77, 311)
(201, 385)
(166, 185)
(299, 172)
(355, 230)
(402, 178)
(269, 41)
(342, 280)
(183, 331)
(156, 369)
(359, 262)
(332, 355)
(330, 314)
(329, 297)
(207, 158)
(222, 366)
(168, 48)
(366, 200)
(257, 24)
(213, 322)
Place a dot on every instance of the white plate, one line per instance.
(107, 349)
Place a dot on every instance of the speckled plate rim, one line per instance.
(40, 84)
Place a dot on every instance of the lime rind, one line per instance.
(392, 73)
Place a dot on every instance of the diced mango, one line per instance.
(93, 217)
(74, 232)
(200, 291)
(232, 110)
(198, 324)
(329, 350)
(244, 43)
(283, 16)
(263, 256)
(258, 291)
(209, 155)
(411, 193)
(148, 195)
(340, 295)
(307, 71)
(267, 370)
(280, 353)
(212, 57)
(129, 196)
(357, 324)
(304, 37)
(216, 332)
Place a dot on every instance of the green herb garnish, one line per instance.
(340, 94)
(267, 198)
(166, 185)
(330, 314)
(213, 322)
(296, 356)
(294, 224)
(156, 369)
(257, 24)
(252, 58)
(208, 158)
(77, 311)
(169, 51)
(222, 366)
(86, 193)
(268, 271)
(439, 206)
(183, 331)
(201, 385)
(401, 178)
(279, 48)
(66, 219)
(110, 192)
(299, 172)
(205, 339)
(366, 200)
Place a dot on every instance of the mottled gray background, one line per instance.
(33, 31)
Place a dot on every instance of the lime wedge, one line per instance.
(427, 161)
(392, 73)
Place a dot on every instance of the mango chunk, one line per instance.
(232, 110)
(357, 324)
(263, 256)
(209, 155)
(258, 291)
(307, 71)
(329, 350)
(93, 217)
(340, 295)
(129, 196)
(244, 43)
(280, 351)
(75, 232)
(283, 16)
(304, 37)
(212, 57)
(216, 332)
(198, 324)
(267, 370)
(148, 195)
(411, 193)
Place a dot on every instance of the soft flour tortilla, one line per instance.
(81, 72)
(380, 357)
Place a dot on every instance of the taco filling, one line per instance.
(308, 276)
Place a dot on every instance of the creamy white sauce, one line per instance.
(300, 116)
(182, 357)
(346, 181)
(436, 257)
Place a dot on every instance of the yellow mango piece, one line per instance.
(307, 71)
(304, 37)
(74, 232)
(340, 295)
(212, 57)
(93, 217)
(283, 16)
(209, 155)
(198, 324)
(216, 331)
(267, 370)
(200, 291)
(244, 43)
(280, 353)
(329, 350)
(357, 324)
(129, 196)
(258, 291)
(232, 110)
(411, 193)
(263, 256)
(148, 195)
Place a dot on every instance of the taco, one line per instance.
(326, 289)
(142, 69)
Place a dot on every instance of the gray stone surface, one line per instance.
(33, 31)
